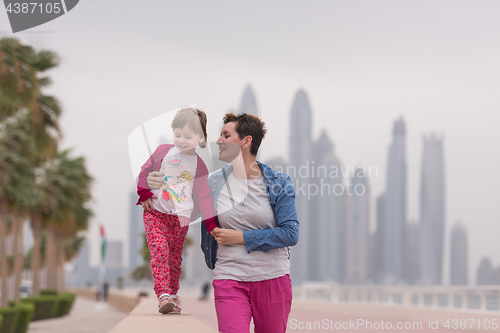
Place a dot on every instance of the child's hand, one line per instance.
(147, 205)
(155, 180)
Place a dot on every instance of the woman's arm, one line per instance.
(286, 232)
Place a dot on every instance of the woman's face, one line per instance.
(229, 143)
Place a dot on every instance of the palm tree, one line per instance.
(21, 83)
(14, 168)
(71, 182)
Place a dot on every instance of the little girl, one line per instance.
(168, 210)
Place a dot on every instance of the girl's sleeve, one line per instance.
(204, 199)
(142, 183)
(286, 232)
(206, 205)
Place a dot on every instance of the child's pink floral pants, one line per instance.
(165, 238)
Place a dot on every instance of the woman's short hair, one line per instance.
(195, 119)
(257, 130)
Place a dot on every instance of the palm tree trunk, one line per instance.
(36, 253)
(60, 265)
(18, 255)
(4, 264)
(51, 252)
(15, 247)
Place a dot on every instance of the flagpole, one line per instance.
(102, 266)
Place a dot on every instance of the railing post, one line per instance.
(406, 298)
(483, 300)
(465, 300)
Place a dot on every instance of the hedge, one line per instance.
(45, 306)
(10, 317)
(26, 311)
(66, 303)
(49, 292)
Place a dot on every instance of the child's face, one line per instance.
(186, 140)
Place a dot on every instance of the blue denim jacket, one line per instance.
(281, 195)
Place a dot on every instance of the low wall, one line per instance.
(121, 301)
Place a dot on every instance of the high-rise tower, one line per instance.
(395, 206)
(458, 251)
(300, 161)
(432, 207)
(249, 102)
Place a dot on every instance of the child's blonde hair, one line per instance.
(195, 119)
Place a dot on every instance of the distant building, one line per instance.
(432, 209)
(114, 250)
(395, 207)
(377, 255)
(485, 273)
(136, 230)
(249, 102)
(300, 159)
(411, 262)
(358, 229)
(459, 257)
(327, 242)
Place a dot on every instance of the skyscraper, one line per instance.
(358, 228)
(432, 206)
(300, 159)
(249, 102)
(485, 273)
(459, 262)
(327, 214)
(395, 206)
(136, 228)
(377, 256)
(411, 260)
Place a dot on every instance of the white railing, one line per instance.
(481, 298)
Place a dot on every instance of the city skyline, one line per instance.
(363, 65)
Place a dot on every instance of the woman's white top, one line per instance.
(249, 210)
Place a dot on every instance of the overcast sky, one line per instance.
(362, 63)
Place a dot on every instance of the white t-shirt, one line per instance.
(175, 196)
(249, 210)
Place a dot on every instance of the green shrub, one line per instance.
(10, 317)
(1, 320)
(49, 292)
(26, 311)
(67, 299)
(45, 306)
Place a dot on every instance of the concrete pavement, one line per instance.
(87, 316)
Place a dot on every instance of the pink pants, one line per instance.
(268, 302)
(165, 238)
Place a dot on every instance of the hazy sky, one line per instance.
(362, 64)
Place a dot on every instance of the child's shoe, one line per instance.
(177, 307)
(166, 304)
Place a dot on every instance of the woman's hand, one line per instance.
(155, 180)
(147, 205)
(228, 236)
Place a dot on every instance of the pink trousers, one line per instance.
(165, 238)
(268, 302)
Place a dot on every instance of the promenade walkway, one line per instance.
(87, 316)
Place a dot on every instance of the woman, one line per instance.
(248, 252)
